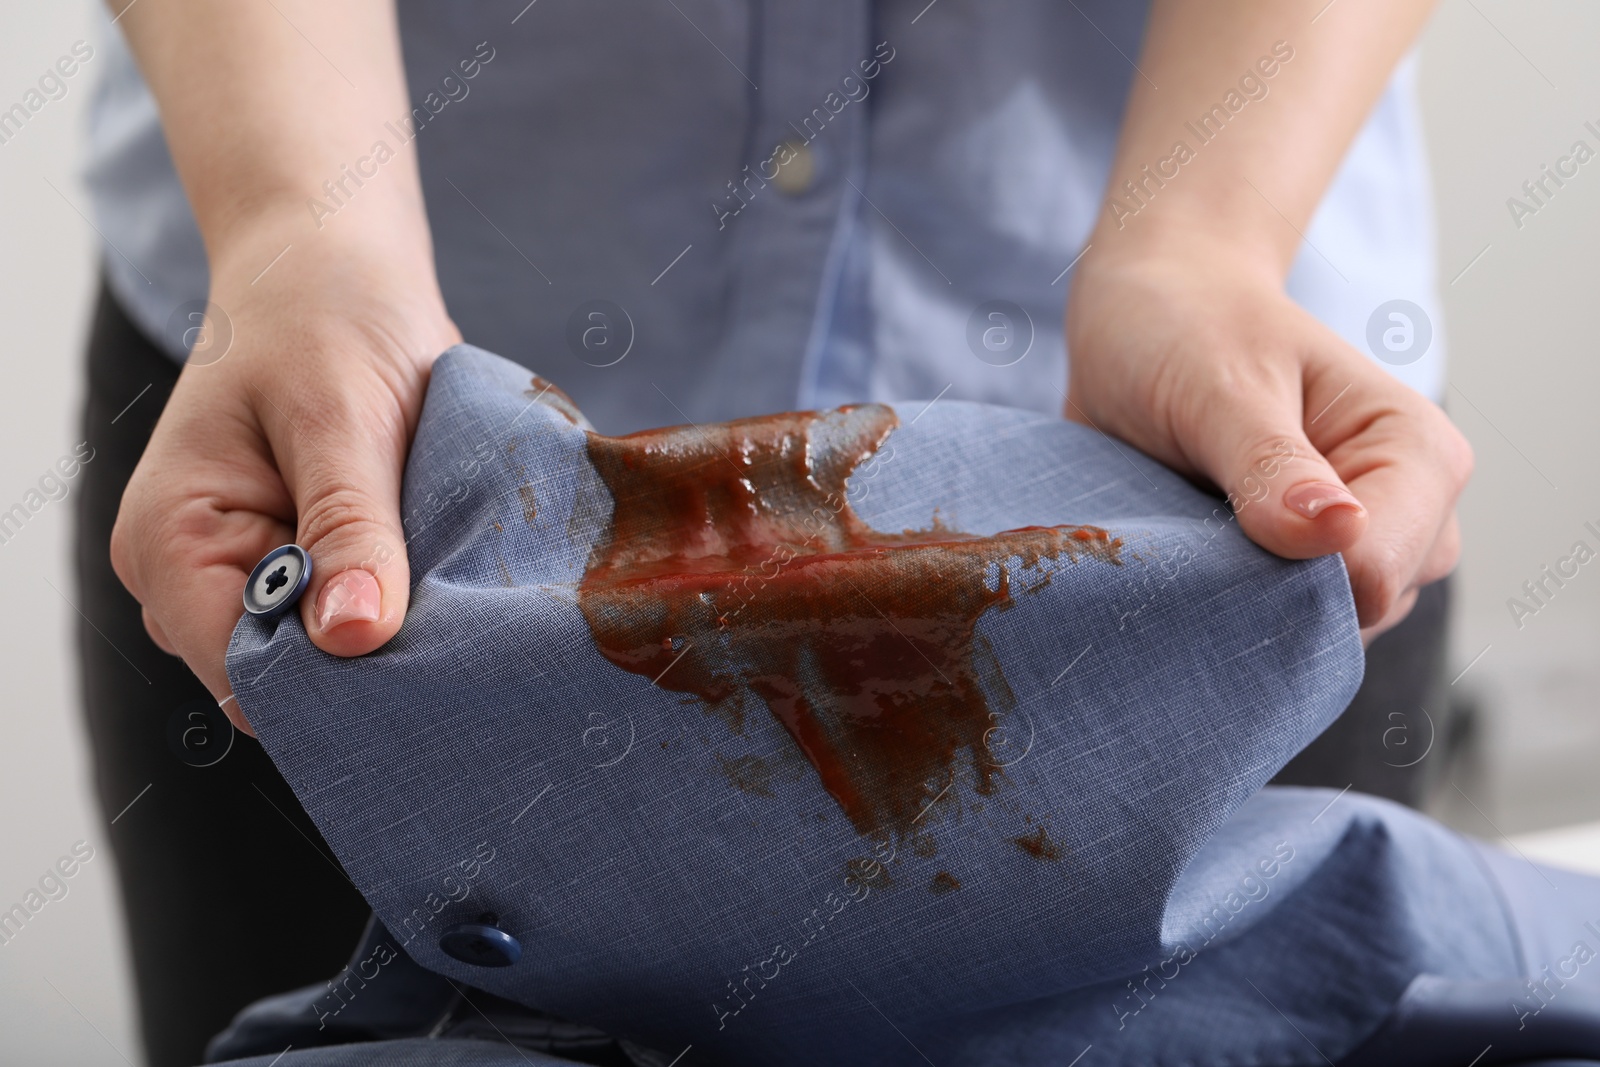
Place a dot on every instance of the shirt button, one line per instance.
(796, 176)
(277, 581)
(481, 944)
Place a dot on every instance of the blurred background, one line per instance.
(1506, 87)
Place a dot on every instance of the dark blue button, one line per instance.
(481, 945)
(277, 582)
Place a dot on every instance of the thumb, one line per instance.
(1285, 493)
(344, 474)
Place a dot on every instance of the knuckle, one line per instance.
(1380, 586)
(1263, 459)
(342, 517)
(1448, 446)
(1458, 458)
(1443, 557)
(1440, 564)
(133, 536)
(123, 554)
(152, 539)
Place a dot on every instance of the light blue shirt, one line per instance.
(610, 205)
(1100, 868)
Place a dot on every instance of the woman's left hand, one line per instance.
(1198, 357)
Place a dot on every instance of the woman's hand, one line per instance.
(1196, 356)
(1182, 339)
(299, 433)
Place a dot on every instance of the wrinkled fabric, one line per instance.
(382, 997)
(616, 152)
(490, 759)
(408, 1052)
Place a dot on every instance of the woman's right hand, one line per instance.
(299, 433)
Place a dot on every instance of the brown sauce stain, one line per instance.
(550, 395)
(944, 882)
(924, 846)
(748, 774)
(530, 509)
(864, 870)
(734, 567)
(1039, 845)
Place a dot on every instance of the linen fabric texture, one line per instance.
(489, 760)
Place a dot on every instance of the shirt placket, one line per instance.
(779, 217)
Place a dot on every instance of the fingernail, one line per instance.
(1313, 498)
(350, 597)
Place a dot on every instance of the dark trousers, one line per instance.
(229, 892)
(1398, 735)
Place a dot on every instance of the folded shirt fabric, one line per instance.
(865, 736)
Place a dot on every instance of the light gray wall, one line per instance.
(63, 979)
(1507, 87)
(1522, 324)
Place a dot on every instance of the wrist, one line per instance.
(383, 221)
(365, 285)
(1184, 248)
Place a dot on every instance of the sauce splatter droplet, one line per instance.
(748, 774)
(1039, 845)
(546, 392)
